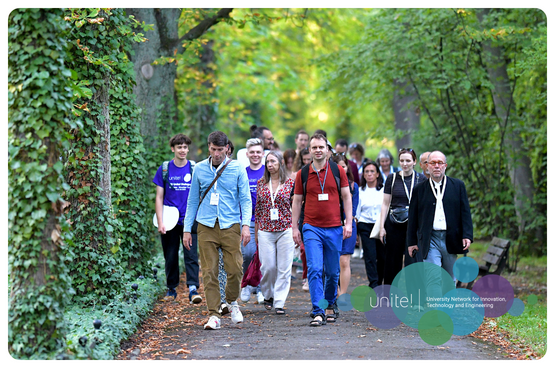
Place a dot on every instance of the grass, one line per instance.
(528, 330)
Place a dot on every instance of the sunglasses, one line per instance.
(406, 150)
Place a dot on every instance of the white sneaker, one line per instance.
(245, 294)
(260, 298)
(236, 315)
(305, 285)
(213, 323)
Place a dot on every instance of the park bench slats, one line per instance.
(496, 255)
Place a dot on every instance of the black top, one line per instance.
(399, 196)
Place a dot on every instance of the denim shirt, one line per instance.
(233, 189)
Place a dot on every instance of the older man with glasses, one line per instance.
(440, 224)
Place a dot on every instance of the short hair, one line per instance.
(341, 142)
(318, 136)
(254, 142)
(379, 185)
(257, 132)
(180, 139)
(320, 131)
(282, 172)
(301, 132)
(218, 138)
(384, 153)
(337, 158)
(356, 147)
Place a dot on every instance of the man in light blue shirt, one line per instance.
(219, 224)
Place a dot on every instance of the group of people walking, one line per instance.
(267, 203)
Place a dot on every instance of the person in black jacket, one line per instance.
(440, 224)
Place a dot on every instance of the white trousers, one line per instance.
(276, 250)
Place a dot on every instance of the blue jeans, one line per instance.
(439, 256)
(322, 247)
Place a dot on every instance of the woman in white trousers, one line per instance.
(273, 232)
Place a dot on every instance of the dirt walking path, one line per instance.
(175, 331)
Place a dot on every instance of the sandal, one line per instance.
(330, 317)
(318, 320)
(280, 311)
(268, 303)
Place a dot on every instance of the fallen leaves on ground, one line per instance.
(490, 332)
(165, 315)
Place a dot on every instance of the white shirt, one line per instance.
(439, 216)
(369, 204)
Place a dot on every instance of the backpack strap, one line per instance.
(336, 176)
(166, 174)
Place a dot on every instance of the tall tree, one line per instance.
(519, 164)
(39, 102)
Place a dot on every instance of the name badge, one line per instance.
(323, 197)
(214, 199)
(274, 215)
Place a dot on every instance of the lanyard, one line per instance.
(272, 196)
(439, 196)
(411, 184)
(216, 172)
(325, 176)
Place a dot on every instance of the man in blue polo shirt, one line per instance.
(174, 192)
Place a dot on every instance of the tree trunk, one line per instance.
(518, 162)
(155, 88)
(406, 114)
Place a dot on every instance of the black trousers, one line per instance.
(395, 249)
(171, 241)
(373, 253)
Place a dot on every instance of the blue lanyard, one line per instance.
(325, 176)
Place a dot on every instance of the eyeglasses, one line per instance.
(436, 163)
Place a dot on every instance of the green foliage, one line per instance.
(262, 73)
(39, 101)
(120, 318)
(108, 233)
(438, 51)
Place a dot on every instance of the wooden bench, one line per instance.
(496, 255)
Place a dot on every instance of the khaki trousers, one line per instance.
(209, 241)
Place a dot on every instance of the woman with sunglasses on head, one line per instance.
(273, 232)
(398, 190)
(348, 246)
(368, 214)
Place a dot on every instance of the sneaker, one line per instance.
(236, 315)
(213, 323)
(194, 298)
(305, 285)
(224, 309)
(245, 294)
(260, 298)
(171, 294)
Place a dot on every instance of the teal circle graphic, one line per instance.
(344, 302)
(362, 298)
(517, 308)
(465, 309)
(466, 269)
(435, 327)
(417, 289)
(323, 303)
(532, 299)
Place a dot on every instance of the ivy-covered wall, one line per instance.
(39, 102)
